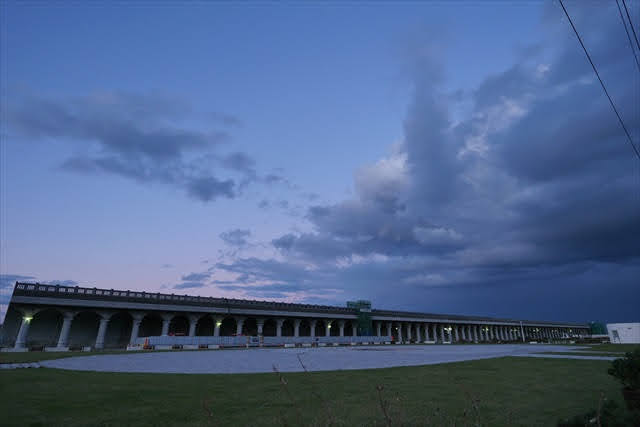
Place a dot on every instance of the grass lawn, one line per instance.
(611, 348)
(494, 392)
(582, 353)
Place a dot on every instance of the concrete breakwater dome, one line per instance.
(43, 316)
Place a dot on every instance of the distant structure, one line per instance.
(624, 333)
(59, 318)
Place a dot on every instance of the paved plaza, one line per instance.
(291, 359)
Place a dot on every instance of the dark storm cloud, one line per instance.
(138, 137)
(61, 282)
(9, 280)
(189, 285)
(236, 237)
(208, 188)
(533, 194)
(252, 270)
(196, 277)
(262, 289)
(240, 162)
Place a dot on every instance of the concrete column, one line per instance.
(312, 324)
(399, 338)
(464, 336)
(102, 330)
(426, 333)
(260, 326)
(166, 321)
(193, 322)
(379, 329)
(442, 333)
(239, 324)
(217, 322)
(341, 326)
(21, 339)
(475, 333)
(419, 337)
(409, 334)
(296, 327)
(434, 332)
(327, 329)
(491, 332)
(279, 323)
(66, 327)
(389, 329)
(455, 331)
(135, 327)
(354, 329)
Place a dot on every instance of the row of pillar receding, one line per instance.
(399, 331)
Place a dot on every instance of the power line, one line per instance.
(624, 3)
(624, 22)
(601, 82)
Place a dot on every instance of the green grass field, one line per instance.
(495, 392)
(611, 348)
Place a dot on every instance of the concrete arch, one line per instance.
(320, 328)
(250, 327)
(348, 328)
(205, 326)
(84, 329)
(151, 325)
(269, 328)
(287, 328)
(179, 325)
(118, 330)
(44, 330)
(228, 327)
(305, 328)
(334, 329)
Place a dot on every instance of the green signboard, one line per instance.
(598, 328)
(365, 327)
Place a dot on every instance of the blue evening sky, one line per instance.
(316, 96)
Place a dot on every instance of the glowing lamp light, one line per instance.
(27, 318)
(218, 324)
(329, 326)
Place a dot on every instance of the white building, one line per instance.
(624, 333)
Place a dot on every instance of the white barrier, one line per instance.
(168, 342)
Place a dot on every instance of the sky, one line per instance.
(438, 157)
